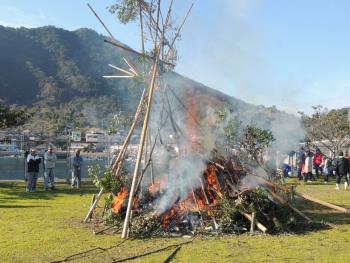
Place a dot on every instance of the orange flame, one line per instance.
(167, 216)
(212, 180)
(157, 186)
(118, 200)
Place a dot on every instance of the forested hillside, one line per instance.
(49, 65)
(57, 75)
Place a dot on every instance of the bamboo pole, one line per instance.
(271, 184)
(131, 130)
(141, 27)
(117, 77)
(114, 43)
(131, 66)
(320, 202)
(259, 225)
(93, 206)
(120, 69)
(178, 31)
(157, 48)
(282, 201)
(140, 150)
(99, 19)
(120, 157)
(150, 154)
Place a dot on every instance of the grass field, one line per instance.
(46, 227)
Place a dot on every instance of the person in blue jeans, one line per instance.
(77, 163)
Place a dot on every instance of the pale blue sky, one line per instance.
(293, 54)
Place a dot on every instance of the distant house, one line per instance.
(96, 137)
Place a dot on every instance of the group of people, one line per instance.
(321, 164)
(49, 163)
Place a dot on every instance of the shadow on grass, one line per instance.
(22, 206)
(16, 191)
(323, 214)
(88, 253)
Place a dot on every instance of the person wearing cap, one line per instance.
(77, 163)
(33, 161)
(50, 163)
(341, 169)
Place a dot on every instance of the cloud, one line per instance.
(16, 17)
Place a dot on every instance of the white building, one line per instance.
(96, 137)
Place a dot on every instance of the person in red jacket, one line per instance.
(317, 162)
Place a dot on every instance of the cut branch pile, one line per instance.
(222, 196)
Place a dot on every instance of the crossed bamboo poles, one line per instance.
(145, 100)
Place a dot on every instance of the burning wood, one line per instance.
(198, 188)
(208, 206)
(118, 200)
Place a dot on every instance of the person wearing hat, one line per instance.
(77, 163)
(33, 161)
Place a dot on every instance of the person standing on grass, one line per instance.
(33, 161)
(327, 168)
(317, 162)
(348, 158)
(308, 168)
(77, 163)
(50, 163)
(301, 163)
(341, 169)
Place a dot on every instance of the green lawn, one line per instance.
(46, 226)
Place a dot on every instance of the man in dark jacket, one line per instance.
(33, 161)
(341, 168)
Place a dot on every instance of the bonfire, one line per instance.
(190, 176)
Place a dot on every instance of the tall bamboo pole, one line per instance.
(125, 233)
(120, 157)
(140, 150)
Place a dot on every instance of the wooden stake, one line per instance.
(253, 222)
(320, 202)
(93, 206)
(259, 225)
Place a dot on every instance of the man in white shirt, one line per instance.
(50, 163)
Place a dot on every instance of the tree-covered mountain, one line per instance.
(49, 65)
(57, 74)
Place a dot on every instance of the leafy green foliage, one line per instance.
(227, 214)
(14, 116)
(126, 10)
(331, 128)
(107, 180)
(255, 140)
